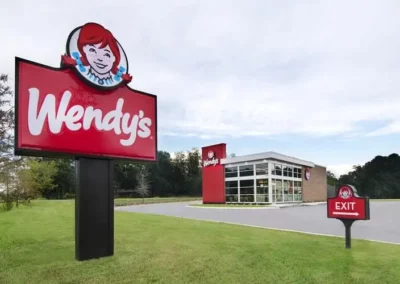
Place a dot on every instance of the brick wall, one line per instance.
(315, 189)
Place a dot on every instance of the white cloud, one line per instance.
(340, 169)
(253, 68)
(392, 128)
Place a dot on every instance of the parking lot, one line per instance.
(383, 225)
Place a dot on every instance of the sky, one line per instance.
(317, 80)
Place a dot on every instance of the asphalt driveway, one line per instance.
(383, 225)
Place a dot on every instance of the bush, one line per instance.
(8, 205)
(69, 195)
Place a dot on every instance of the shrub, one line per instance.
(8, 205)
(69, 195)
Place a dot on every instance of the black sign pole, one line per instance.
(94, 208)
(347, 224)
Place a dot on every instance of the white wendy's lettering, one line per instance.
(78, 117)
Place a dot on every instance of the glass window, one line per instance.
(290, 171)
(247, 186)
(277, 169)
(288, 190)
(290, 186)
(247, 170)
(297, 191)
(231, 191)
(285, 171)
(262, 198)
(297, 172)
(262, 190)
(231, 172)
(231, 184)
(247, 190)
(262, 186)
(278, 191)
(262, 169)
(231, 198)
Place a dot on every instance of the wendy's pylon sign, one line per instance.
(85, 110)
(348, 207)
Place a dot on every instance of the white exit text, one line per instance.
(344, 205)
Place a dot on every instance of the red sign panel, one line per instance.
(348, 205)
(213, 173)
(84, 108)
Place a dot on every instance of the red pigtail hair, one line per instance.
(67, 60)
(127, 77)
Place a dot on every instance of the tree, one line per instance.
(160, 175)
(7, 180)
(6, 118)
(7, 160)
(24, 188)
(378, 178)
(179, 174)
(64, 178)
(142, 187)
(41, 176)
(194, 172)
(331, 178)
(125, 178)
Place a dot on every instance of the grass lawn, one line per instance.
(230, 205)
(135, 201)
(37, 246)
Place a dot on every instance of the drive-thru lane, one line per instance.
(383, 225)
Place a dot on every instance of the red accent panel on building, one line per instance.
(213, 173)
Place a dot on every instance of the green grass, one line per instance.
(135, 201)
(37, 246)
(230, 205)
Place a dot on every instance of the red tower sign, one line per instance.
(348, 207)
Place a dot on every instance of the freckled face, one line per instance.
(100, 59)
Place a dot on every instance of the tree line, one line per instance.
(54, 178)
(378, 178)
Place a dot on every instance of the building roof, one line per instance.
(267, 155)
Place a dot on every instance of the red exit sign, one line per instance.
(348, 205)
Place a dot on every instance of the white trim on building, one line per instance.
(267, 156)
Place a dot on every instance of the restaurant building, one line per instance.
(267, 177)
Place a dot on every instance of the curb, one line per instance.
(286, 230)
(275, 206)
(302, 204)
(240, 208)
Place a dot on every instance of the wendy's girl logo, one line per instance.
(345, 192)
(308, 173)
(211, 161)
(97, 56)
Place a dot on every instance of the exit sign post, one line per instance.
(348, 207)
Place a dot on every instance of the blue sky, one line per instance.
(318, 80)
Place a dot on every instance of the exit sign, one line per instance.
(348, 205)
